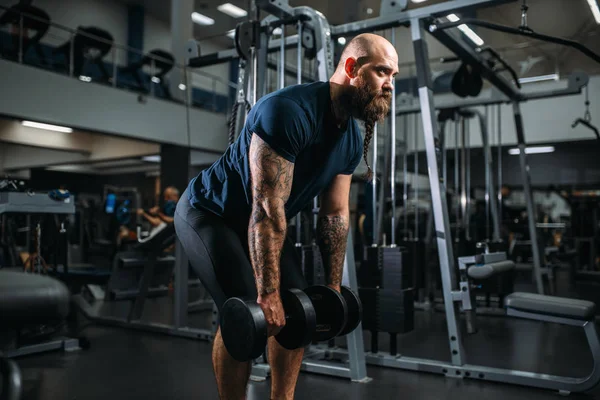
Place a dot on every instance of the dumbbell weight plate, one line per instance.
(354, 310)
(301, 320)
(243, 328)
(330, 309)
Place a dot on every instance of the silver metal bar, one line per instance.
(440, 207)
(180, 310)
(374, 180)
(281, 70)
(405, 175)
(468, 180)
(62, 343)
(499, 132)
(456, 203)
(298, 81)
(488, 171)
(400, 18)
(299, 55)
(393, 155)
(490, 193)
(354, 340)
(531, 214)
(463, 174)
(416, 179)
(444, 155)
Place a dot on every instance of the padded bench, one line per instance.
(27, 299)
(551, 306)
(564, 311)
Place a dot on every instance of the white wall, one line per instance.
(545, 120)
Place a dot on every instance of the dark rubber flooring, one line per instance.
(124, 364)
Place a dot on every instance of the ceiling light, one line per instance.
(232, 11)
(418, 1)
(155, 79)
(47, 127)
(369, 11)
(532, 150)
(595, 10)
(466, 30)
(231, 34)
(182, 86)
(202, 19)
(342, 40)
(277, 31)
(551, 77)
(154, 158)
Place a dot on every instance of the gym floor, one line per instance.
(125, 364)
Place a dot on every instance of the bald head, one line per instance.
(171, 193)
(367, 46)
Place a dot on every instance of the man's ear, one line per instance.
(351, 67)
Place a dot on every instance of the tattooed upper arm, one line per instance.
(271, 175)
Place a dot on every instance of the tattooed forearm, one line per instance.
(271, 177)
(332, 232)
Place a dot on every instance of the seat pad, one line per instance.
(29, 298)
(551, 305)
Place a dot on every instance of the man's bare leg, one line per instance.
(232, 376)
(285, 367)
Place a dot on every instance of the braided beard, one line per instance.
(371, 106)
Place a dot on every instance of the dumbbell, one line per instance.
(354, 307)
(318, 313)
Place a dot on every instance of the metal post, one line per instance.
(488, 171)
(490, 192)
(405, 175)
(180, 315)
(393, 155)
(440, 208)
(354, 340)
(299, 54)
(416, 178)
(214, 94)
(499, 122)
(531, 214)
(299, 81)
(282, 59)
(468, 180)
(463, 174)
(456, 197)
(374, 180)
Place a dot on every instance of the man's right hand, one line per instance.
(273, 310)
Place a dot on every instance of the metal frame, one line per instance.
(94, 311)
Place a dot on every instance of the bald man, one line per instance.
(156, 216)
(297, 143)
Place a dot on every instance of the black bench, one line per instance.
(27, 300)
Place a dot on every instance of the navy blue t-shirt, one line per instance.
(298, 124)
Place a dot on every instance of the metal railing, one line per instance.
(90, 57)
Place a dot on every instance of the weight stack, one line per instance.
(386, 310)
(386, 268)
(312, 265)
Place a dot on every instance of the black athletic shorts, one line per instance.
(218, 254)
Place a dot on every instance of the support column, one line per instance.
(181, 32)
(531, 212)
(174, 167)
(438, 190)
